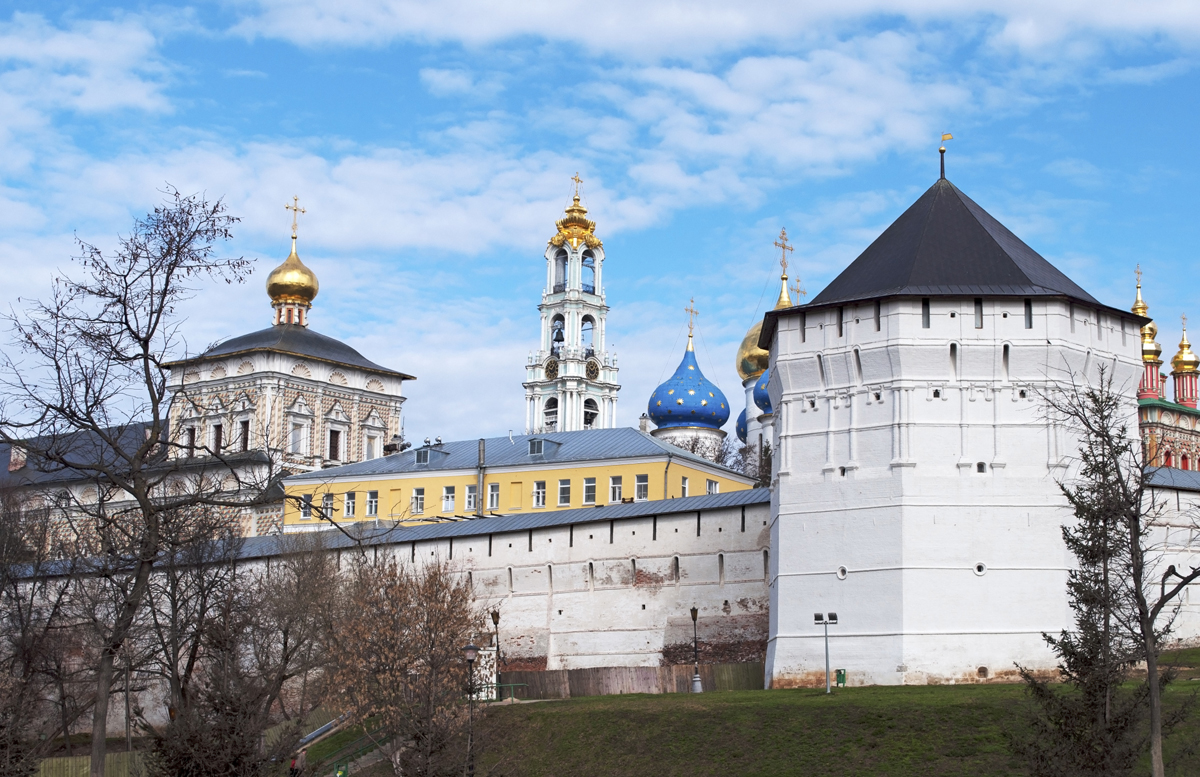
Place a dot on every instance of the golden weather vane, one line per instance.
(578, 181)
(296, 211)
(782, 245)
(692, 313)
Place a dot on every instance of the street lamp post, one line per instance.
(696, 685)
(470, 652)
(496, 623)
(826, 620)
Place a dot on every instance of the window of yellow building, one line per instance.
(614, 489)
(564, 493)
(539, 493)
(351, 499)
(493, 496)
(683, 486)
(372, 504)
(447, 499)
(642, 488)
(589, 491)
(418, 501)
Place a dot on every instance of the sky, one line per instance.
(433, 143)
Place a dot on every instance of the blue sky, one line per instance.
(432, 144)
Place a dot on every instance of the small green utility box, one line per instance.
(841, 678)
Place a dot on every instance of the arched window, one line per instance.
(560, 271)
(1183, 462)
(1168, 459)
(557, 337)
(591, 411)
(550, 414)
(587, 332)
(589, 272)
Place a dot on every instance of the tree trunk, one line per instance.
(104, 675)
(1156, 748)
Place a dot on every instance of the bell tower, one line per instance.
(571, 379)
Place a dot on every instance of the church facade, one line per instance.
(305, 400)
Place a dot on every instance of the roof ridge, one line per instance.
(924, 230)
(963, 200)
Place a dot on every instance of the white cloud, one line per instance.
(452, 82)
(675, 28)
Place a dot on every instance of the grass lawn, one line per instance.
(915, 730)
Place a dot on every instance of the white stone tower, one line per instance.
(916, 475)
(571, 380)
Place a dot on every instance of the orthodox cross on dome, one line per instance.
(692, 313)
(1138, 273)
(578, 182)
(782, 245)
(798, 290)
(296, 211)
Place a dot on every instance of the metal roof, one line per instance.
(296, 340)
(945, 244)
(557, 448)
(368, 534)
(1169, 477)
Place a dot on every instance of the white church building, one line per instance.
(916, 487)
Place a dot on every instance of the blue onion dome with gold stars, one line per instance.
(761, 397)
(688, 398)
(741, 426)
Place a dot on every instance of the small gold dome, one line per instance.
(292, 281)
(1151, 350)
(1185, 360)
(752, 360)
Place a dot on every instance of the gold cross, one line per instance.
(1138, 273)
(782, 245)
(799, 292)
(296, 211)
(577, 181)
(1184, 317)
(692, 313)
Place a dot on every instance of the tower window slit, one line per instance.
(953, 361)
(878, 323)
(979, 312)
(1029, 314)
(841, 316)
(925, 313)
(1004, 360)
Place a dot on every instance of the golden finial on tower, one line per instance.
(1185, 360)
(782, 245)
(942, 151)
(296, 211)
(578, 182)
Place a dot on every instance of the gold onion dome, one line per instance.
(575, 227)
(292, 281)
(752, 360)
(1185, 360)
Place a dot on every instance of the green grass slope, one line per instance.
(896, 731)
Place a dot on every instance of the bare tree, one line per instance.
(43, 657)
(85, 395)
(401, 663)
(1112, 490)
(236, 649)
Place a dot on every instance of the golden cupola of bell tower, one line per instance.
(292, 286)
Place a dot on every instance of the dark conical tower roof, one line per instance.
(946, 245)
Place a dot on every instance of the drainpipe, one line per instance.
(665, 472)
(479, 487)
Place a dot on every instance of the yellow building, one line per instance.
(498, 475)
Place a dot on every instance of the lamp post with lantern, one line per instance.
(470, 652)
(827, 620)
(696, 685)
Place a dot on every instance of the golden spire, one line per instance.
(574, 227)
(292, 281)
(784, 300)
(1139, 305)
(1151, 350)
(1185, 360)
(692, 313)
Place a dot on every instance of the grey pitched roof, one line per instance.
(1169, 477)
(272, 545)
(558, 448)
(945, 244)
(298, 340)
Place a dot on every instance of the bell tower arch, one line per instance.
(571, 379)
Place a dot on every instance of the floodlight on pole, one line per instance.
(826, 620)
